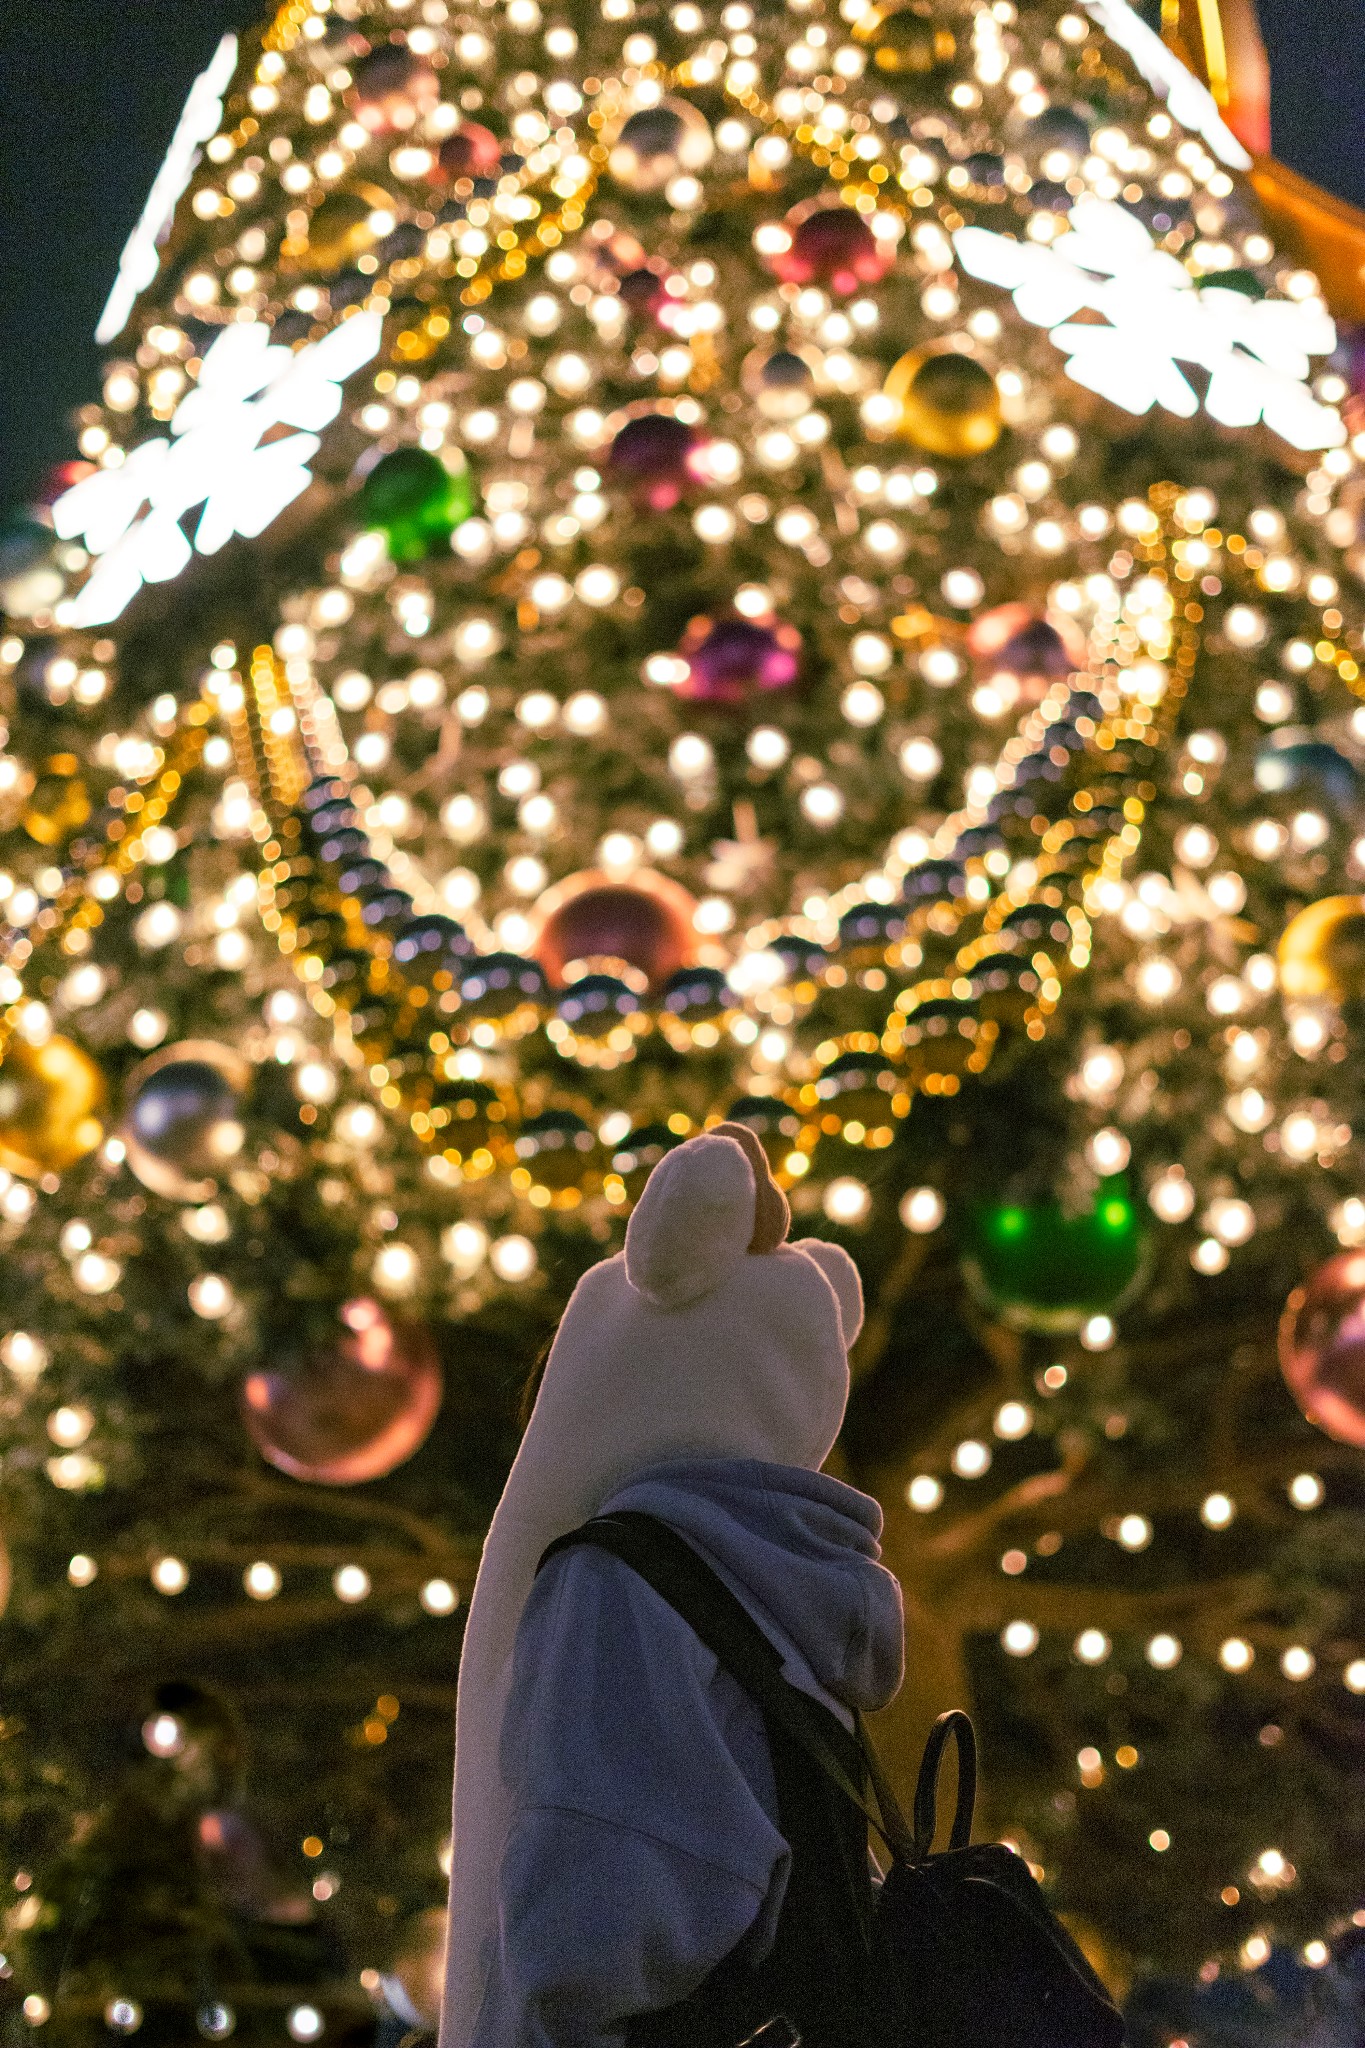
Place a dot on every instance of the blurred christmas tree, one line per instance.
(638, 565)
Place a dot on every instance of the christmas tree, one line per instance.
(635, 566)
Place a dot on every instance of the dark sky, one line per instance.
(93, 89)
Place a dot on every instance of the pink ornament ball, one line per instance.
(834, 247)
(1322, 1348)
(349, 1411)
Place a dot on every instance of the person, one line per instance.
(623, 1869)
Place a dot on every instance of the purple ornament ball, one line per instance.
(656, 458)
(730, 660)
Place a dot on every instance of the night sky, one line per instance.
(94, 88)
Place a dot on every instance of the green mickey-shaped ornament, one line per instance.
(1041, 1267)
(416, 500)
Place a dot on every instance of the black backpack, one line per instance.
(960, 1949)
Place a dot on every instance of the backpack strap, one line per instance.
(667, 1562)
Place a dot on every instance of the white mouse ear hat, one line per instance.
(706, 1207)
(708, 1337)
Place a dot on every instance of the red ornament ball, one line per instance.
(831, 246)
(730, 660)
(1322, 1348)
(352, 1410)
(640, 928)
(471, 152)
(392, 89)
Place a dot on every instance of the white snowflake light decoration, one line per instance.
(1256, 351)
(224, 452)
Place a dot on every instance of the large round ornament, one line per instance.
(949, 403)
(392, 89)
(345, 224)
(1041, 1268)
(730, 660)
(640, 927)
(1322, 952)
(656, 458)
(831, 246)
(1322, 1348)
(182, 1118)
(416, 501)
(51, 1097)
(654, 144)
(1032, 649)
(349, 1410)
(903, 41)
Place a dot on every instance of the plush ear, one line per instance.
(694, 1222)
(842, 1275)
(772, 1217)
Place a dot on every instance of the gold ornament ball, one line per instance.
(58, 803)
(903, 41)
(949, 403)
(1322, 952)
(51, 1096)
(345, 225)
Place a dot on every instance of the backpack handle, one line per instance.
(957, 1725)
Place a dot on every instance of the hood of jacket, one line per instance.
(802, 1551)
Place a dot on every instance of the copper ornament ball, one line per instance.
(1322, 1348)
(642, 922)
(355, 1409)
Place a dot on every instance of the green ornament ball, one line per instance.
(416, 502)
(1040, 1267)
